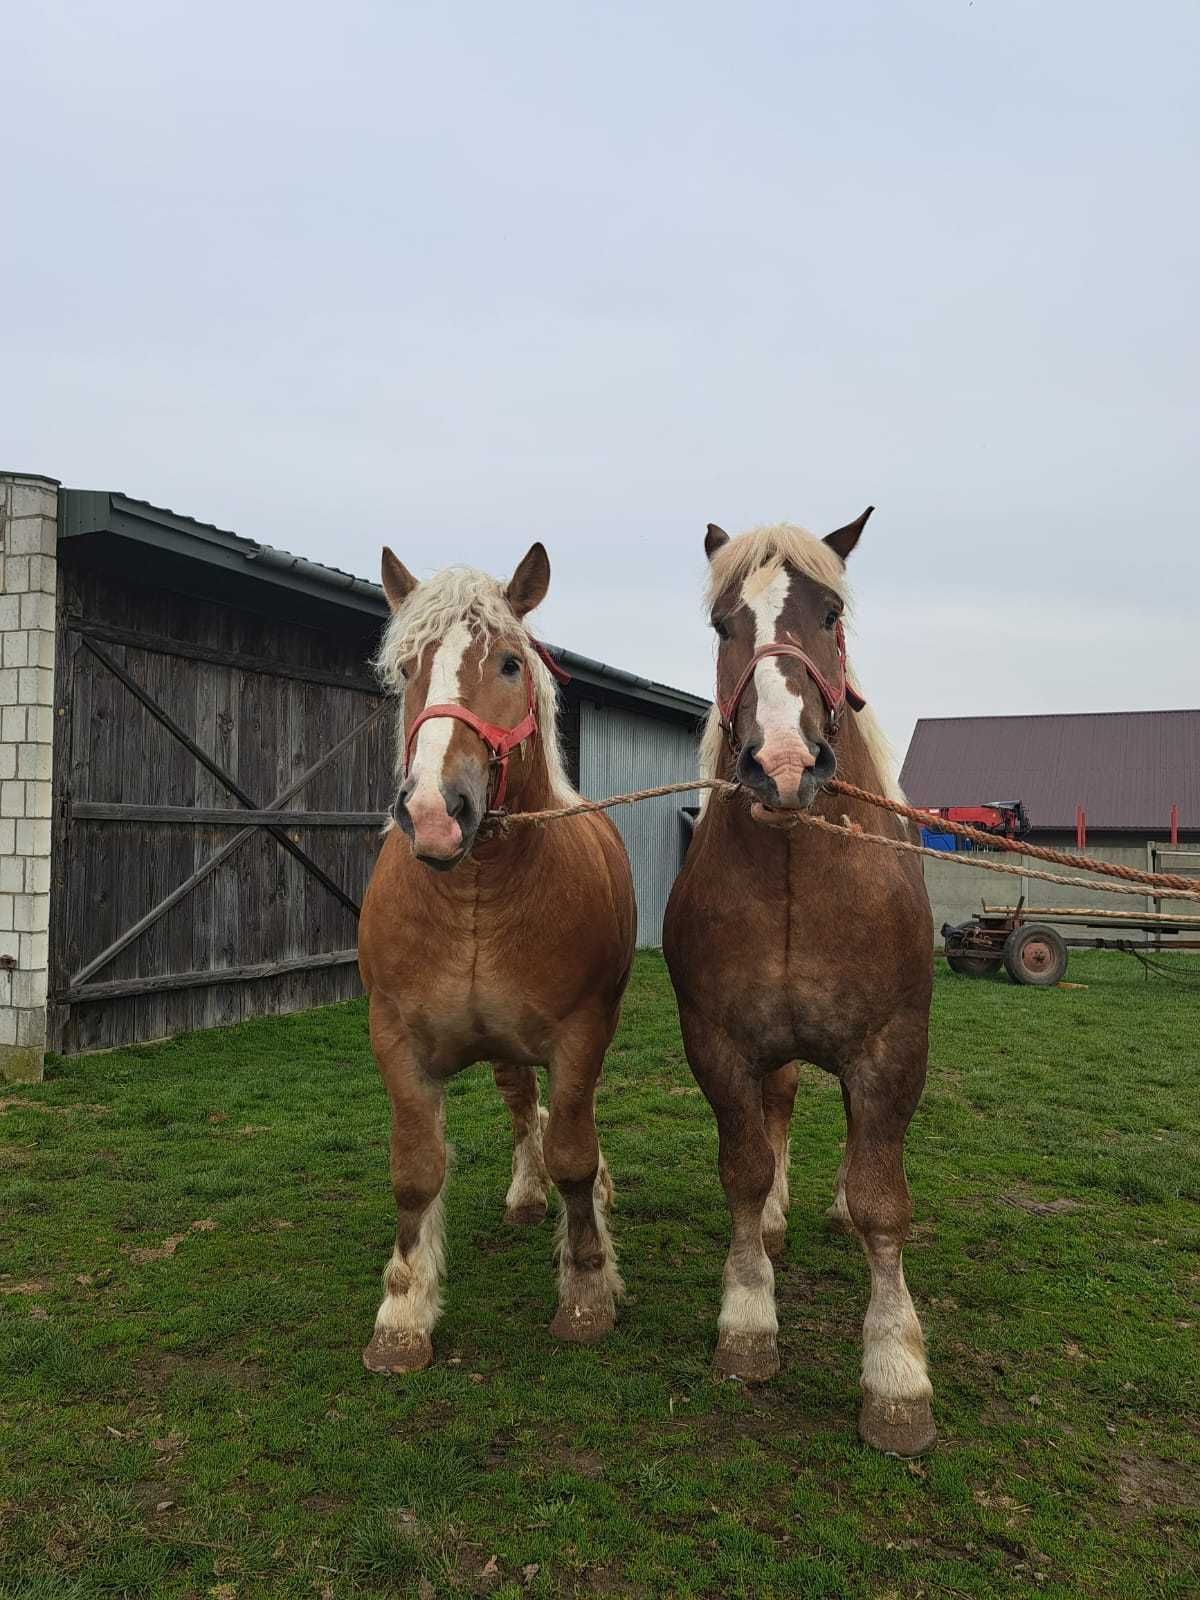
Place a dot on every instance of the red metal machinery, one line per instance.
(1007, 818)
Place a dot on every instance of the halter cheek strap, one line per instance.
(836, 697)
(501, 742)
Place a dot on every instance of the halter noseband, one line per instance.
(836, 698)
(500, 742)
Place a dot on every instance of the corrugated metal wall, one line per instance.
(620, 751)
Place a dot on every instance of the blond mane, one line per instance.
(768, 549)
(462, 594)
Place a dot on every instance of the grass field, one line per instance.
(190, 1250)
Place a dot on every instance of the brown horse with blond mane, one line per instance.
(514, 949)
(785, 942)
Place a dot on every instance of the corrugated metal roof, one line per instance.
(86, 511)
(1125, 768)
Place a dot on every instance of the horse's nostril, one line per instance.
(825, 765)
(749, 768)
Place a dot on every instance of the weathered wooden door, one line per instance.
(220, 782)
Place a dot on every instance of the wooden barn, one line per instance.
(195, 763)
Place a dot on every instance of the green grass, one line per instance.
(199, 1423)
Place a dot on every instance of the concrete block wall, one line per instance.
(28, 587)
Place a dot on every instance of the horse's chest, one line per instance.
(480, 1011)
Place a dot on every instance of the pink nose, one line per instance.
(435, 832)
(786, 758)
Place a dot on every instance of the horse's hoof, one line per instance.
(897, 1427)
(392, 1351)
(583, 1324)
(752, 1357)
(526, 1216)
(773, 1243)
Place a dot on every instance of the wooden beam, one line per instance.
(80, 992)
(223, 816)
(269, 666)
(160, 910)
(218, 772)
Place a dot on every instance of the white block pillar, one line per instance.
(28, 590)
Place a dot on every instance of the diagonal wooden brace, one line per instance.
(98, 962)
(218, 772)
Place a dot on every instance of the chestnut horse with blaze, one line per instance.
(788, 943)
(513, 949)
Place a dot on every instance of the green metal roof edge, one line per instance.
(86, 511)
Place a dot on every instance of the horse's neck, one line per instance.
(529, 784)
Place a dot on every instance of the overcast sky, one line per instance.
(460, 276)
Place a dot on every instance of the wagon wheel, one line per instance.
(973, 966)
(1035, 954)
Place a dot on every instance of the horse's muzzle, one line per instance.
(786, 788)
(442, 834)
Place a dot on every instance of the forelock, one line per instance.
(759, 554)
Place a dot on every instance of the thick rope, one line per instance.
(852, 831)
(1180, 887)
(1064, 858)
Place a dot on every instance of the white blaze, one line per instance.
(779, 707)
(433, 737)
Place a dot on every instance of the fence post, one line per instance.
(28, 589)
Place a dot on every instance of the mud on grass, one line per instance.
(194, 1420)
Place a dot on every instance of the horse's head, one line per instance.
(776, 601)
(457, 652)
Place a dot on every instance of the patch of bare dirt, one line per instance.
(323, 1505)
(165, 1250)
(157, 1371)
(28, 1286)
(1021, 1200)
(19, 1103)
(1147, 1484)
(155, 1497)
(561, 1456)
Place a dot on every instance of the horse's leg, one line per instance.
(896, 1416)
(412, 1299)
(525, 1201)
(747, 1325)
(778, 1098)
(838, 1214)
(589, 1284)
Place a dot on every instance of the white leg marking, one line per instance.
(571, 1281)
(748, 1300)
(412, 1299)
(893, 1346)
(776, 1209)
(530, 1184)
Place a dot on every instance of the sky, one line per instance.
(458, 277)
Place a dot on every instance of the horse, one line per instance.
(787, 943)
(479, 945)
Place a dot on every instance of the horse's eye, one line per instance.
(510, 666)
(831, 620)
(722, 627)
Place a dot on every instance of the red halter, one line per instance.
(836, 698)
(501, 742)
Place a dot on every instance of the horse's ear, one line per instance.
(714, 539)
(528, 584)
(398, 581)
(842, 540)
